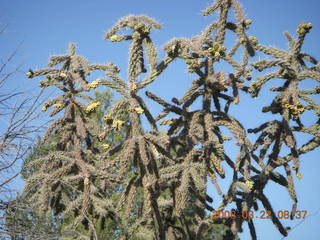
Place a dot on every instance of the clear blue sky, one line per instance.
(46, 27)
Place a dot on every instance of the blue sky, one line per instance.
(46, 27)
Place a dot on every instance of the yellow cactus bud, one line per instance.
(138, 26)
(300, 30)
(210, 49)
(93, 84)
(86, 181)
(253, 84)
(42, 84)
(117, 124)
(217, 54)
(236, 100)
(29, 74)
(92, 107)
(63, 75)
(248, 21)
(249, 184)
(299, 176)
(304, 28)
(44, 108)
(253, 40)
(242, 40)
(146, 29)
(107, 117)
(134, 87)
(105, 146)
(216, 46)
(114, 38)
(139, 110)
(136, 35)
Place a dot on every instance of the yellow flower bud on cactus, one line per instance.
(86, 181)
(117, 124)
(253, 84)
(92, 107)
(249, 184)
(63, 75)
(300, 31)
(138, 26)
(105, 146)
(134, 87)
(301, 110)
(236, 100)
(217, 54)
(299, 176)
(304, 28)
(216, 47)
(42, 84)
(114, 38)
(29, 74)
(93, 84)
(253, 40)
(242, 40)
(136, 34)
(107, 117)
(139, 110)
(44, 108)
(146, 29)
(248, 21)
(210, 49)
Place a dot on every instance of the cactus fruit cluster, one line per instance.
(163, 174)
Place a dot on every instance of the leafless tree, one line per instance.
(19, 124)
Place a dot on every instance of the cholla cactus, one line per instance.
(68, 181)
(162, 175)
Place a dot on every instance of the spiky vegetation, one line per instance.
(162, 175)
